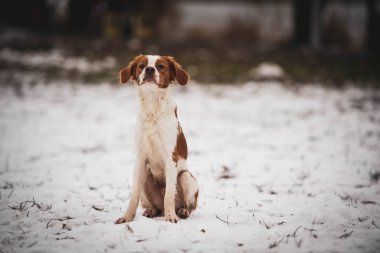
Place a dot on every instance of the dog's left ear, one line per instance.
(177, 72)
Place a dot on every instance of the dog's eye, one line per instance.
(160, 67)
(141, 66)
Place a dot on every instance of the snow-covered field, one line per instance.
(280, 170)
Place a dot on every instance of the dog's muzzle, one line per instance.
(149, 75)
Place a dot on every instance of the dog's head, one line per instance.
(154, 69)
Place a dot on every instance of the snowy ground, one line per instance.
(280, 170)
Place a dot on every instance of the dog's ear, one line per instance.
(130, 71)
(177, 72)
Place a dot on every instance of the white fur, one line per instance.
(151, 63)
(152, 60)
(156, 134)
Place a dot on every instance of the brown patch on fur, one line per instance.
(153, 194)
(175, 112)
(176, 71)
(163, 69)
(132, 70)
(183, 207)
(180, 150)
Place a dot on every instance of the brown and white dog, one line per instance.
(161, 178)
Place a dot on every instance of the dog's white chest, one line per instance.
(157, 131)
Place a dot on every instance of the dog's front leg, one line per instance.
(139, 177)
(170, 191)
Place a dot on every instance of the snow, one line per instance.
(267, 70)
(280, 170)
(56, 58)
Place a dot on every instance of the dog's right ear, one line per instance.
(130, 71)
(125, 74)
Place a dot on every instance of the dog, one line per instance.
(161, 179)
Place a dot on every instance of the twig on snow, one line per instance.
(21, 229)
(59, 219)
(262, 221)
(10, 194)
(32, 244)
(373, 223)
(223, 220)
(286, 239)
(14, 207)
(65, 238)
(346, 235)
(295, 232)
(20, 207)
(36, 204)
(311, 230)
(273, 245)
(47, 224)
(130, 229)
(66, 226)
(97, 208)
(226, 173)
(369, 202)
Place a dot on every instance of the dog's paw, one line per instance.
(171, 216)
(120, 220)
(183, 213)
(150, 213)
(124, 219)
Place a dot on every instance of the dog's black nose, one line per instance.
(149, 70)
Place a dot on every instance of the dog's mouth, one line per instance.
(149, 79)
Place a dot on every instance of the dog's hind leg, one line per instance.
(187, 194)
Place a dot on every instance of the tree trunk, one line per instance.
(373, 26)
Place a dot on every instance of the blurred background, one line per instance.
(287, 151)
(331, 42)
